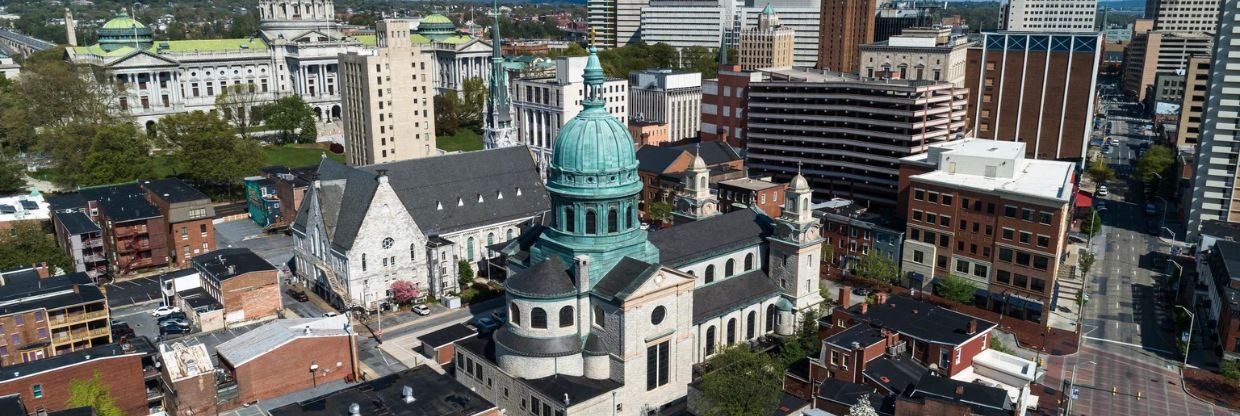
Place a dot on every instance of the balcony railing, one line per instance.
(73, 318)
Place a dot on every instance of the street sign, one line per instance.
(1076, 393)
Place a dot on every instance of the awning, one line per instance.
(1083, 200)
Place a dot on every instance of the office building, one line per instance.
(684, 23)
(846, 25)
(616, 23)
(386, 94)
(1195, 16)
(802, 16)
(894, 16)
(48, 316)
(1152, 53)
(1192, 104)
(1035, 88)
(1214, 196)
(723, 105)
(982, 211)
(934, 54)
(768, 45)
(845, 133)
(663, 96)
(1055, 16)
(544, 104)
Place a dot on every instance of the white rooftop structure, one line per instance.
(24, 207)
(996, 166)
(269, 337)
(1005, 371)
(184, 361)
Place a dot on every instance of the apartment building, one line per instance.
(846, 25)
(544, 104)
(1058, 16)
(1035, 88)
(1192, 104)
(767, 45)
(723, 105)
(664, 96)
(46, 384)
(761, 193)
(134, 231)
(1214, 196)
(386, 96)
(1197, 16)
(83, 240)
(1153, 53)
(934, 54)
(24, 209)
(189, 214)
(616, 23)
(853, 231)
(845, 133)
(982, 211)
(45, 316)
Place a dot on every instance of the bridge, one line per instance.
(17, 44)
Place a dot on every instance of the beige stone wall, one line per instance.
(387, 100)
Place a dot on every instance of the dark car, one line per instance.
(174, 322)
(486, 324)
(861, 291)
(173, 330)
(299, 295)
(119, 331)
(174, 315)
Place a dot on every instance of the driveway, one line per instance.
(276, 248)
(137, 291)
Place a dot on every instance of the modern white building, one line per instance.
(1049, 16)
(616, 22)
(544, 104)
(1214, 188)
(705, 23)
(361, 229)
(664, 96)
(1197, 16)
(387, 97)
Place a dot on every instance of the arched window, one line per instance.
(599, 319)
(490, 239)
(469, 249)
(632, 217)
(731, 332)
(566, 316)
(514, 314)
(710, 273)
(702, 182)
(591, 222)
(729, 268)
(538, 318)
(413, 251)
(770, 318)
(750, 324)
(613, 220)
(749, 262)
(570, 223)
(710, 341)
(508, 235)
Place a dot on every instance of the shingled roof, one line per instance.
(686, 243)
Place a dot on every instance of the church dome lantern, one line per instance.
(124, 31)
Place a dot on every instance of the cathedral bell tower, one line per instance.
(696, 202)
(498, 131)
(795, 249)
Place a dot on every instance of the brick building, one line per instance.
(852, 231)
(44, 384)
(285, 356)
(188, 214)
(981, 211)
(1219, 270)
(845, 26)
(247, 286)
(418, 391)
(188, 379)
(134, 233)
(723, 105)
(648, 133)
(273, 198)
(662, 168)
(44, 316)
(742, 192)
(440, 345)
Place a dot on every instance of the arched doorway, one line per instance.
(318, 114)
(335, 113)
(150, 128)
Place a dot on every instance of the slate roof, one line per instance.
(267, 338)
(712, 152)
(896, 374)
(623, 279)
(16, 371)
(76, 222)
(547, 279)
(441, 193)
(447, 335)
(24, 291)
(174, 190)
(698, 240)
(724, 295)
(242, 260)
(982, 399)
(434, 395)
(929, 323)
(657, 159)
(847, 393)
(579, 389)
(538, 347)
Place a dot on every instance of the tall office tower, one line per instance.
(386, 95)
(663, 96)
(1198, 16)
(498, 131)
(934, 54)
(1035, 88)
(683, 23)
(846, 25)
(616, 22)
(767, 45)
(1058, 16)
(1154, 52)
(1214, 190)
(1192, 104)
(802, 16)
(543, 104)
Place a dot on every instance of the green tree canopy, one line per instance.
(875, 266)
(50, 94)
(447, 113)
(1086, 262)
(1100, 171)
(659, 211)
(293, 118)
(29, 243)
(472, 101)
(956, 289)
(741, 382)
(1092, 223)
(237, 103)
(93, 393)
(12, 176)
(118, 152)
(1156, 160)
(207, 149)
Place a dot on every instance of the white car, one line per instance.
(329, 314)
(1102, 190)
(421, 310)
(164, 310)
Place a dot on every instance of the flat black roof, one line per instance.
(242, 261)
(862, 334)
(77, 411)
(578, 389)
(448, 335)
(24, 290)
(76, 222)
(51, 363)
(921, 320)
(434, 395)
(174, 190)
(983, 400)
(12, 405)
(896, 374)
(198, 299)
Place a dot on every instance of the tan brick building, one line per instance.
(769, 44)
(46, 316)
(45, 384)
(247, 286)
(386, 97)
(189, 214)
(1196, 77)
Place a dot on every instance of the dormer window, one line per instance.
(518, 191)
(460, 202)
(499, 195)
(479, 198)
(438, 206)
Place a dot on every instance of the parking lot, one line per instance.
(141, 290)
(276, 248)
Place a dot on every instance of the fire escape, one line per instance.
(131, 240)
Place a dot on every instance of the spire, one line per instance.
(768, 10)
(496, 40)
(498, 115)
(593, 78)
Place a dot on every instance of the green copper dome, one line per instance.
(594, 142)
(124, 31)
(436, 27)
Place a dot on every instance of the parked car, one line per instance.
(174, 315)
(421, 310)
(123, 330)
(861, 291)
(173, 330)
(298, 295)
(116, 323)
(164, 310)
(486, 324)
(174, 322)
(1102, 190)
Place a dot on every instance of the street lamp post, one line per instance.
(1189, 343)
(1164, 203)
(1172, 232)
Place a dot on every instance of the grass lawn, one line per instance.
(464, 140)
(288, 155)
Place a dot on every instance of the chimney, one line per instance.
(232, 268)
(972, 327)
(844, 297)
(42, 270)
(583, 274)
(383, 178)
(865, 308)
(880, 297)
(959, 390)
(406, 394)
(75, 288)
(355, 410)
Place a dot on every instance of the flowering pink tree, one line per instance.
(404, 291)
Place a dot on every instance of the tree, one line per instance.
(741, 382)
(1156, 160)
(875, 266)
(12, 176)
(659, 211)
(1100, 171)
(472, 102)
(117, 153)
(1086, 262)
(1092, 223)
(1231, 371)
(52, 94)
(447, 114)
(93, 393)
(207, 149)
(464, 273)
(28, 243)
(404, 291)
(827, 254)
(862, 407)
(293, 118)
(956, 289)
(237, 103)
